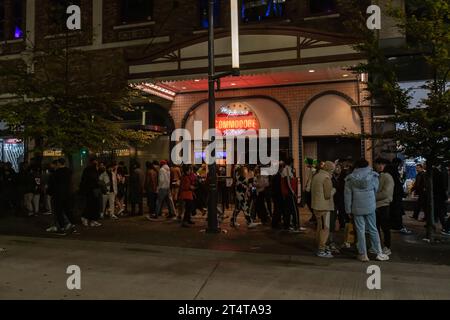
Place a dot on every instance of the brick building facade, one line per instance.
(294, 53)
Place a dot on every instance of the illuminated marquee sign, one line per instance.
(235, 119)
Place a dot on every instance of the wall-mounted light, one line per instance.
(235, 33)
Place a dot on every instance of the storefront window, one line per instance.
(259, 10)
(135, 11)
(322, 6)
(204, 9)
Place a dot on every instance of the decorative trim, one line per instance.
(328, 16)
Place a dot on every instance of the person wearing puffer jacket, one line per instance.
(361, 187)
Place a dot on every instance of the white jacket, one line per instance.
(164, 177)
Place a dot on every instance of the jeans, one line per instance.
(31, 202)
(151, 201)
(383, 224)
(363, 222)
(165, 197)
(108, 199)
(291, 212)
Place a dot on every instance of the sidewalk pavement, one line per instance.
(35, 268)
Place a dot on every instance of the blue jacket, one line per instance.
(361, 187)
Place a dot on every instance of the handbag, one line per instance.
(349, 233)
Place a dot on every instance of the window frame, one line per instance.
(245, 20)
(126, 19)
(322, 13)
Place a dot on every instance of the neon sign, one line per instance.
(235, 119)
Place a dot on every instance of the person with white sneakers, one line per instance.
(361, 187)
(384, 198)
(108, 178)
(322, 203)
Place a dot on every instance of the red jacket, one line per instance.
(186, 189)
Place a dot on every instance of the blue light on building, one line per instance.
(18, 33)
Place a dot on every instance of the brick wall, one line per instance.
(293, 98)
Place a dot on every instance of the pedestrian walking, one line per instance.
(419, 190)
(164, 195)
(187, 196)
(108, 178)
(151, 187)
(288, 184)
(137, 186)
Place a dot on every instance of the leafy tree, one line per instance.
(422, 130)
(69, 99)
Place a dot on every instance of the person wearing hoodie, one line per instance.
(360, 191)
(384, 198)
(322, 203)
(164, 195)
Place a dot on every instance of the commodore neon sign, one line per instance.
(235, 119)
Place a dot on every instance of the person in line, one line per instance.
(60, 189)
(384, 198)
(126, 175)
(243, 189)
(322, 203)
(261, 184)
(419, 190)
(288, 183)
(108, 178)
(175, 182)
(137, 186)
(164, 195)
(277, 198)
(91, 189)
(32, 190)
(49, 170)
(361, 187)
(397, 210)
(121, 189)
(151, 187)
(187, 196)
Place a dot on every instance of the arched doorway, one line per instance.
(270, 114)
(330, 126)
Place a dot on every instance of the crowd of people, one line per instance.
(341, 195)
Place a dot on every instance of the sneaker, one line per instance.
(387, 251)
(114, 217)
(382, 257)
(405, 231)
(253, 225)
(334, 249)
(302, 229)
(346, 245)
(95, 224)
(48, 213)
(445, 232)
(85, 222)
(363, 258)
(234, 225)
(52, 229)
(324, 254)
(68, 227)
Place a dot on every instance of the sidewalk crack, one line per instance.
(207, 279)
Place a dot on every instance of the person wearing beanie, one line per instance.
(322, 203)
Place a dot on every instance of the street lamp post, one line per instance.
(213, 225)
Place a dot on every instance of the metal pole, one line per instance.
(212, 175)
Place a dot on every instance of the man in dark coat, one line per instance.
(91, 189)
